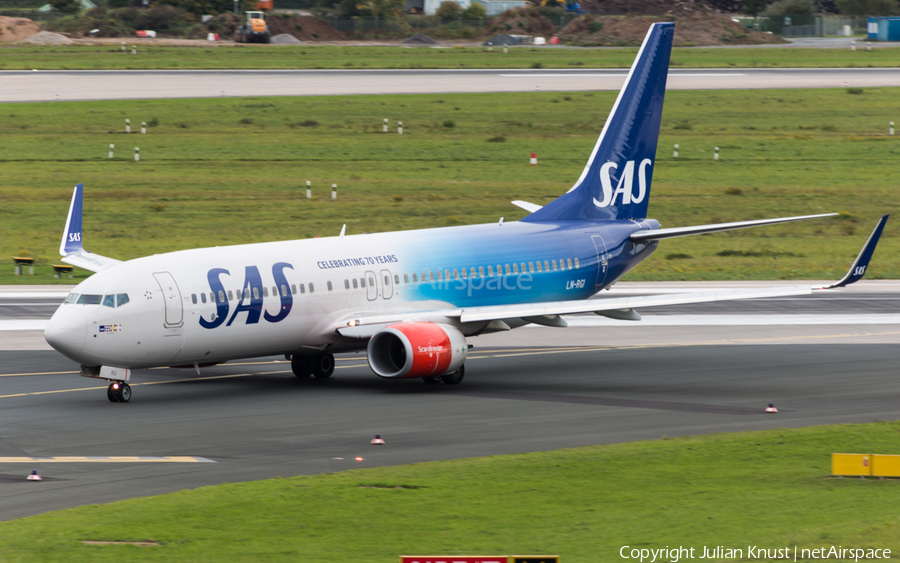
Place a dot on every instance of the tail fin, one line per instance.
(615, 183)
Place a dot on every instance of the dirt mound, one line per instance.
(304, 28)
(285, 39)
(420, 39)
(17, 29)
(695, 24)
(523, 21)
(48, 38)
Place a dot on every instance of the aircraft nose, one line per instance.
(67, 331)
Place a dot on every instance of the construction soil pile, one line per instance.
(17, 29)
(695, 24)
(304, 28)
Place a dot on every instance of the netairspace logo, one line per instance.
(719, 552)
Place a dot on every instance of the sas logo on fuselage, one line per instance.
(625, 186)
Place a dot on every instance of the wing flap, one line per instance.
(598, 305)
(658, 234)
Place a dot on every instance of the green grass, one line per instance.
(227, 171)
(93, 57)
(770, 489)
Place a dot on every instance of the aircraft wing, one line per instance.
(547, 313)
(70, 248)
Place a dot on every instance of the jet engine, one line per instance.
(420, 349)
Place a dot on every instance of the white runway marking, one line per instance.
(23, 324)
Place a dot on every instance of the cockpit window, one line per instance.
(90, 299)
(121, 299)
(109, 301)
(71, 298)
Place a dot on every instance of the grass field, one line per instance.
(226, 171)
(94, 57)
(770, 489)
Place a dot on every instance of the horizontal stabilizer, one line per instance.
(527, 205)
(717, 227)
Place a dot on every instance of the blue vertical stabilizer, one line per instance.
(615, 183)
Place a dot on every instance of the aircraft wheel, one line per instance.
(111, 394)
(323, 365)
(456, 377)
(123, 393)
(301, 365)
(432, 380)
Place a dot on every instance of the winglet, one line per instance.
(71, 240)
(858, 269)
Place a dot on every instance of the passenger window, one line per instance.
(274, 291)
(569, 261)
(480, 271)
(515, 268)
(539, 267)
(247, 293)
(424, 277)
(523, 268)
(431, 277)
(193, 299)
(406, 278)
(440, 276)
(554, 265)
(371, 284)
(507, 269)
(546, 266)
(283, 290)
(311, 288)
(473, 273)
(256, 293)
(265, 291)
(302, 288)
(490, 271)
(530, 267)
(221, 296)
(230, 295)
(328, 285)
(203, 297)
(71, 298)
(465, 274)
(346, 284)
(396, 279)
(576, 263)
(415, 279)
(294, 289)
(499, 270)
(387, 280)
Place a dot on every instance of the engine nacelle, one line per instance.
(416, 350)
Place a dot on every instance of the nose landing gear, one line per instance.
(118, 392)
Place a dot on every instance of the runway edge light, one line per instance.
(34, 476)
(377, 441)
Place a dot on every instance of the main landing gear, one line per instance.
(452, 378)
(118, 392)
(318, 365)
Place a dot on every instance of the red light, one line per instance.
(359, 459)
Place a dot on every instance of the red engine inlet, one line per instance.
(416, 350)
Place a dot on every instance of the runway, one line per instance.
(41, 85)
(553, 388)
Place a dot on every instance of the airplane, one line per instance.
(410, 299)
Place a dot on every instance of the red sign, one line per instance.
(454, 559)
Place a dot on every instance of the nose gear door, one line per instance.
(171, 299)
